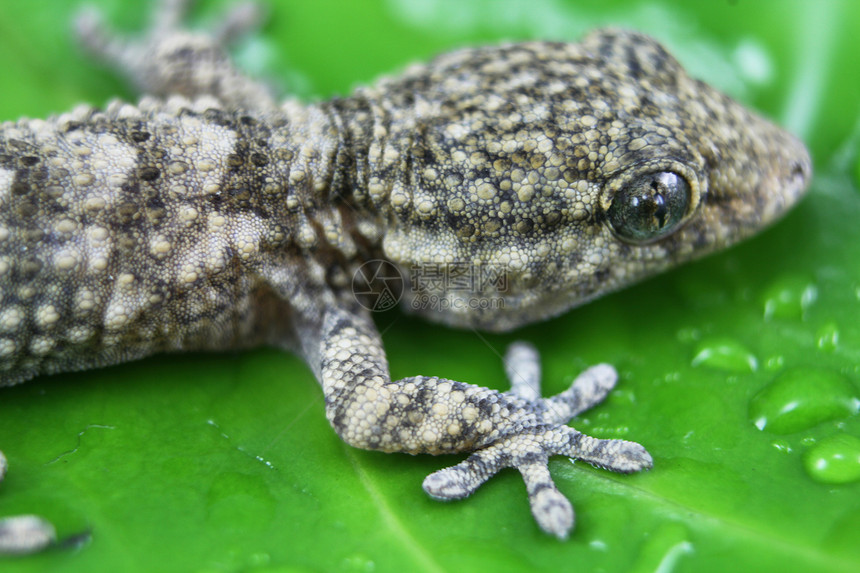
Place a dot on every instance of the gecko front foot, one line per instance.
(23, 534)
(529, 449)
(170, 60)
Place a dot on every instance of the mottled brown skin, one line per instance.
(217, 219)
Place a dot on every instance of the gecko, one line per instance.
(210, 215)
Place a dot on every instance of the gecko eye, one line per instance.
(650, 207)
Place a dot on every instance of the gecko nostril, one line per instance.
(799, 171)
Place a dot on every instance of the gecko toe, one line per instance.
(615, 455)
(461, 480)
(553, 513)
(551, 509)
(629, 457)
(449, 484)
(25, 534)
(243, 19)
(588, 390)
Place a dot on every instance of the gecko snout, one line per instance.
(800, 174)
(797, 175)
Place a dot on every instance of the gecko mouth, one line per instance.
(801, 174)
(788, 187)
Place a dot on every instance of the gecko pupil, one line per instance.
(650, 207)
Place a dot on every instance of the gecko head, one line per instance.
(535, 177)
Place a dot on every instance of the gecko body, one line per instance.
(210, 216)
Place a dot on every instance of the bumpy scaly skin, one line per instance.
(216, 218)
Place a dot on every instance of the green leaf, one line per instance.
(225, 462)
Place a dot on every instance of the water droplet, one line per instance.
(828, 337)
(725, 354)
(835, 459)
(277, 569)
(774, 363)
(665, 546)
(802, 398)
(622, 396)
(672, 377)
(258, 560)
(781, 446)
(617, 432)
(789, 297)
(688, 334)
(358, 563)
